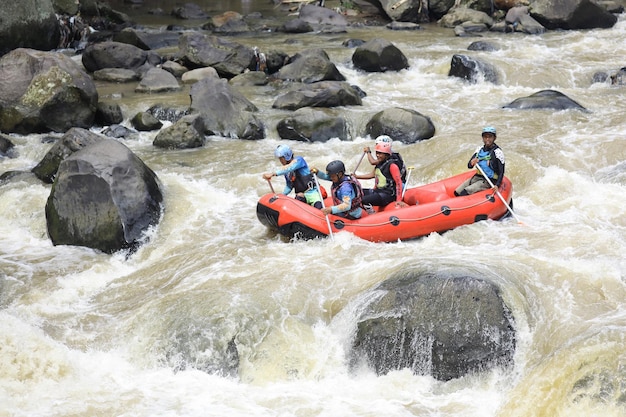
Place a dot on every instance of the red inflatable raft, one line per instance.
(432, 208)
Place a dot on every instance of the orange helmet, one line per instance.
(383, 147)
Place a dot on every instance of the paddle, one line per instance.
(271, 186)
(330, 230)
(359, 163)
(497, 191)
(406, 184)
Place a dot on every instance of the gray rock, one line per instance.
(313, 125)
(571, 14)
(225, 111)
(322, 94)
(28, 24)
(310, 66)
(104, 198)
(113, 55)
(157, 80)
(72, 141)
(116, 75)
(144, 122)
(296, 26)
(188, 132)
(7, 147)
(403, 125)
(227, 57)
(379, 55)
(545, 99)
(443, 324)
(317, 15)
(472, 70)
(44, 91)
(108, 114)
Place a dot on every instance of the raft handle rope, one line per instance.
(445, 210)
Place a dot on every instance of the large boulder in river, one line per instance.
(72, 141)
(310, 66)
(225, 111)
(113, 55)
(313, 125)
(403, 125)
(104, 197)
(379, 55)
(444, 324)
(572, 14)
(317, 15)
(321, 94)
(28, 24)
(472, 70)
(229, 58)
(43, 92)
(545, 99)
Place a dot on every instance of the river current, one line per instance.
(88, 334)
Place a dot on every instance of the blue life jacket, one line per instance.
(483, 160)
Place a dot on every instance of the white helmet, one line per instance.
(383, 139)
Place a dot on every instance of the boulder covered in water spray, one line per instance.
(446, 325)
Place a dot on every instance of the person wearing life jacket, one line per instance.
(491, 159)
(388, 181)
(346, 191)
(298, 177)
(394, 155)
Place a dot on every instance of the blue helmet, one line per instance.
(283, 151)
(383, 139)
(489, 129)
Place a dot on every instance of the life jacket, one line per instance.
(400, 162)
(385, 181)
(484, 158)
(302, 182)
(357, 201)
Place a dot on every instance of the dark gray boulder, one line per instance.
(72, 141)
(28, 24)
(224, 110)
(545, 99)
(406, 11)
(403, 125)
(321, 94)
(187, 132)
(104, 197)
(310, 66)
(227, 57)
(472, 70)
(571, 14)
(44, 91)
(145, 122)
(313, 125)
(317, 15)
(379, 55)
(108, 114)
(7, 147)
(296, 26)
(189, 11)
(113, 55)
(157, 80)
(443, 324)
